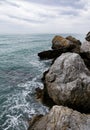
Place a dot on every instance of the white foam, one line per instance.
(21, 107)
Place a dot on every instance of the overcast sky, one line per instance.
(44, 16)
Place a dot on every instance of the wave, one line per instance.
(21, 106)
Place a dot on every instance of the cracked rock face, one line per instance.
(68, 82)
(62, 118)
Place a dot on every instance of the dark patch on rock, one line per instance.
(35, 119)
(88, 36)
(51, 54)
(86, 57)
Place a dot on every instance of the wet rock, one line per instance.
(50, 54)
(42, 96)
(39, 94)
(88, 36)
(35, 119)
(59, 41)
(62, 118)
(68, 82)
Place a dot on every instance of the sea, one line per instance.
(21, 71)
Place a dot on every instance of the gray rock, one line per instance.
(61, 118)
(88, 36)
(85, 47)
(85, 53)
(68, 82)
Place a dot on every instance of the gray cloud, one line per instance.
(73, 13)
(72, 3)
(12, 4)
(44, 15)
(8, 2)
(25, 19)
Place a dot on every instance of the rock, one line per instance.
(42, 96)
(85, 47)
(88, 36)
(34, 120)
(50, 54)
(86, 57)
(39, 94)
(62, 118)
(68, 82)
(74, 40)
(59, 41)
(85, 53)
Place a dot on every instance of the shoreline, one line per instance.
(50, 81)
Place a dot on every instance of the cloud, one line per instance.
(44, 16)
(24, 19)
(64, 3)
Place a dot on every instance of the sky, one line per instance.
(44, 16)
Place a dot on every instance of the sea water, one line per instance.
(21, 71)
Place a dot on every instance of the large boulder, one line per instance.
(68, 82)
(59, 41)
(61, 118)
(88, 36)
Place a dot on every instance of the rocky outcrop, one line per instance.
(68, 82)
(59, 41)
(51, 54)
(88, 36)
(61, 45)
(61, 118)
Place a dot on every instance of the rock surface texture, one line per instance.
(85, 47)
(74, 40)
(61, 118)
(68, 82)
(59, 41)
